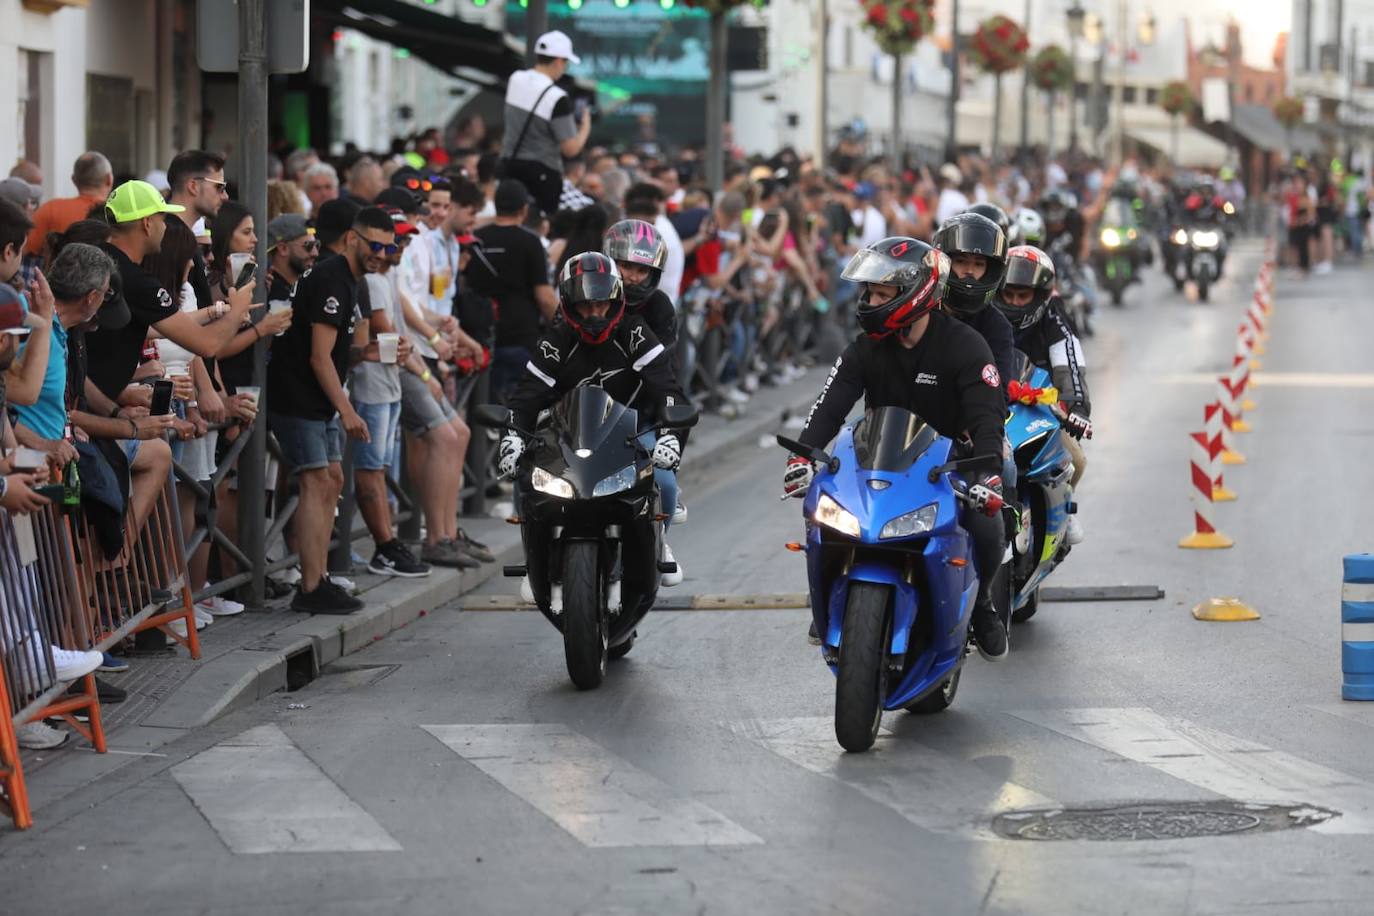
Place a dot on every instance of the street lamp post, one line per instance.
(952, 109)
(1025, 89)
(1075, 15)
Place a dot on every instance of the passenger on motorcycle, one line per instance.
(977, 250)
(1046, 336)
(640, 254)
(914, 356)
(1028, 228)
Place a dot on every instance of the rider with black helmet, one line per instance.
(977, 250)
(1045, 335)
(595, 344)
(1064, 220)
(914, 356)
(994, 213)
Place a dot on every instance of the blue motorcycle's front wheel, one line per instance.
(861, 678)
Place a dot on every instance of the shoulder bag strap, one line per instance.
(520, 140)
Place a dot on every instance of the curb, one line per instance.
(243, 676)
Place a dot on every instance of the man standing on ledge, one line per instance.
(542, 128)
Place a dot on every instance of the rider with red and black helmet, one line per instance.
(915, 356)
(595, 344)
(641, 254)
(977, 250)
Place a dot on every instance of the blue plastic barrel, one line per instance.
(1357, 628)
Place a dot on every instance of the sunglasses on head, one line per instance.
(383, 247)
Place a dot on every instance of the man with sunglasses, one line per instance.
(291, 251)
(309, 407)
(197, 182)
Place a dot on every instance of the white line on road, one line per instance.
(934, 790)
(602, 800)
(1282, 379)
(261, 794)
(1217, 761)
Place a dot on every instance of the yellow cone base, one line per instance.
(1248, 405)
(1225, 610)
(1199, 541)
(1238, 425)
(1223, 495)
(1232, 458)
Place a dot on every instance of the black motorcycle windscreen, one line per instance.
(588, 416)
(891, 439)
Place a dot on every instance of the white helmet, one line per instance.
(1027, 228)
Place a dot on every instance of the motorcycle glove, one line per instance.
(797, 477)
(1076, 425)
(667, 453)
(986, 494)
(512, 447)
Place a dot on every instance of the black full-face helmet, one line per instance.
(994, 213)
(1056, 205)
(586, 278)
(635, 241)
(917, 270)
(973, 233)
(1027, 267)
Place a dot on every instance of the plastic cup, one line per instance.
(387, 347)
(29, 459)
(277, 306)
(438, 282)
(253, 391)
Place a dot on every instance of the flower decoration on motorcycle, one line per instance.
(898, 25)
(1029, 394)
(999, 45)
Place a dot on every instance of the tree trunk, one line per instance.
(896, 113)
(715, 104)
(996, 114)
(1049, 126)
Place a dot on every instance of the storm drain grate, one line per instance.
(1159, 821)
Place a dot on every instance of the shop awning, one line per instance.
(1257, 124)
(464, 50)
(1195, 149)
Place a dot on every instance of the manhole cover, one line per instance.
(1159, 821)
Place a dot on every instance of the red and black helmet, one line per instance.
(917, 270)
(1027, 266)
(587, 278)
(635, 241)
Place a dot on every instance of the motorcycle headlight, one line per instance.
(551, 484)
(1111, 238)
(1205, 238)
(912, 523)
(1181, 237)
(832, 515)
(622, 479)
(1228, 209)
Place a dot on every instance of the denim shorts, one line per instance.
(381, 420)
(307, 445)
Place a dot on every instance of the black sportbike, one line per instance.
(591, 521)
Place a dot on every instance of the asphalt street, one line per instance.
(452, 768)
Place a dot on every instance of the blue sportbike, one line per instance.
(892, 573)
(1044, 468)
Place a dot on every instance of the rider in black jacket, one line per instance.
(916, 357)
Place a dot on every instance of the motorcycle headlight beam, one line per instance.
(832, 515)
(1205, 238)
(551, 484)
(622, 479)
(912, 523)
(1181, 237)
(1111, 238)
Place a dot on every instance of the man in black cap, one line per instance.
(514, 274)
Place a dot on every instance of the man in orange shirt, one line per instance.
(94, 179)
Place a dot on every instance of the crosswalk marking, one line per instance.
(600, 799)
(1216, 761)
(261, 794)
(932, 789)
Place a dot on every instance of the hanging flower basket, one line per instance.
(999, 45)
(1176, 98)
(1052, 69)
(1289, 110)
(898, 24)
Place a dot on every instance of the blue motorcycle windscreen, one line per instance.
(891, 439)
(588, 416)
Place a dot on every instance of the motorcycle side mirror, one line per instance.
(949, 466)
(491, 415)
(679, 416)
(806, 451)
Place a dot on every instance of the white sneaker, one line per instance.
(69, 665)
(734, 395)
(178, 626)
(290, 575)
(750, 383)
(37, 736)
(613, 597)
(203, 617)
(1074, 533)
(668, 580)
(680, 511)
(221, 606)
(526, 591)
(346, 584)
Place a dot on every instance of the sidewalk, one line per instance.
(249, 656)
